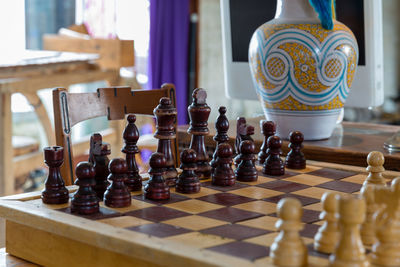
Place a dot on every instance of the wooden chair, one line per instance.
(113, 102)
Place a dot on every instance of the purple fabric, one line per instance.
(168, 53)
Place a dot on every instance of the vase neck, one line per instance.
(295, 10)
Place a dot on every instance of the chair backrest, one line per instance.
(113, 102)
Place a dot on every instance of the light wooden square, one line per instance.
(315, 192)
(308, 179)
(124, 221)
(204, 191)
(255, 192)
(263, 240)
(316, 206)
(260, 180)
(265, 222)
(39, 203)
(195, 222)
(259, 206)
(357, 179)
(136, 205)
(266, 261)
(193, 206)
(309, 168)
(199, 240)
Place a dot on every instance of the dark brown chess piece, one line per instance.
(117, 194)
(55, 191)
(268, 128)
(165, 114)
(157, 188)
(223, 174)
(188, 182)
(295, 158)
(98, 156)
(199, 112)
(273, 164)
(243, 132)
(85, 201)
(131, 136)
(246, 171)
(222, 127)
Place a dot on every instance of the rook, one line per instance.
(55, 191)
(199, 112)
(165, 114)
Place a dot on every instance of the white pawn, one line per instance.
(288, 248)
(375, 168)
(350, 250)
(386, 251)
(328, 234)
(368, 228)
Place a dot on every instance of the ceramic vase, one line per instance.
(301, 71)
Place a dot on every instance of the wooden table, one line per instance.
(27, 72)
(349, 144)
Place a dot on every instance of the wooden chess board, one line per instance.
(220, 226)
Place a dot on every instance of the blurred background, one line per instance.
(25, 23)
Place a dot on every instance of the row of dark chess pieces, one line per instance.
(112, 181)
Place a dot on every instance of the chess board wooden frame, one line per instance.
(52, 238)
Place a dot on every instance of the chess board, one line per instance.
(220, 226)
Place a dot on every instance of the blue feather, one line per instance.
(324, 10)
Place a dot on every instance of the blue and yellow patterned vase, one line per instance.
(302, 72)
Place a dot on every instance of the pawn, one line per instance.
(55, 191)
(223, 174)
(246, 171)
(85, 201)
(117, 194)
(188, 182)
(288, 248)
(157, 188)
(268, 128)
(328, 234)
(273, 164)
(368, 235)
(375, 168)
(131, 137)
(350, 250)
(295, 158)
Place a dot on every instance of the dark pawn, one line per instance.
(55, 191)
(246, 171)
(268, 128)
(273, 164)
(157, 188)
(131, 136)
(223, 174)
(188, 182)
(117, 194)
(243, 132)
(295, 158)
(85, 201)
(222, 127)
(98, 156)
